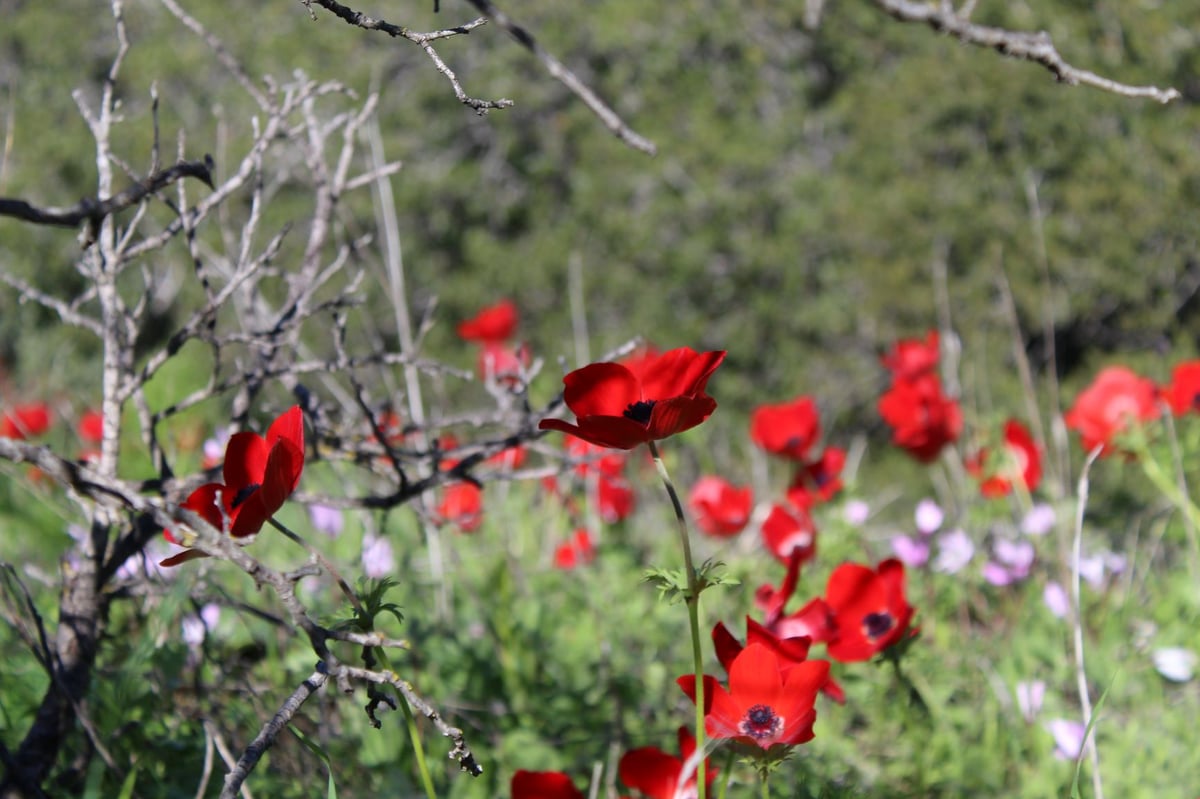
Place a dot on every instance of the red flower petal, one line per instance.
(493, 323)
(543, 785)
(674, 415)
(601, 389)
(245, 460)
(682, 372)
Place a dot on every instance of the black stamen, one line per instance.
(245, 494)
(760, 722)
(876, 625)
(640, 411)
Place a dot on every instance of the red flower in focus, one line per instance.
(25, 421)
(818, 481)
(767, 702)
(913, 358)
(923, 420)
(788, 429)
(619, 408)
(1020, 461)
(869, 609)
(1183, 394)
(579, 550)
(91, 427)
(1105, 408)
(462, 506)
(259, 473)
(791, 651)
(543, 785)
(494, 323)
(786, 531)
(655, 773)
(720, 509)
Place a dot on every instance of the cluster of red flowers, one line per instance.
(923, 419)
(791, 430)
(492, 329)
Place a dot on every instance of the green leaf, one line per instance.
(315, 748)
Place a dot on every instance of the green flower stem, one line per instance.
(692, 600)
(414, 734)
(1169, 487)
(766, 786)
(728, 770)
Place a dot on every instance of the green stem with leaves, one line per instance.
(692, 600)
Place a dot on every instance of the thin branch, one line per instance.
(1036, 47)
(568, 78)
(422, 40)
(94, 210)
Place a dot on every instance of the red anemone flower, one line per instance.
(869, 609)
(502, 363)
(788, 429)
(260, 474)
(614, 499)
(619, 408)
(913, 358)
(786, 531)
(792, 650)
(1183, 394)
(720, 509)
(814, 620)
(25, 421)
(766, 704)
(91, 427)
(495, 323)
(1020, 461)
(923, 420)
(818, 481)
(462, 506)
(577, 551)
(1115, 398)
(656, 774)
(543, 785)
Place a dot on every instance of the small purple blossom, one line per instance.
(929, 516)
(856, 512)
(1039, 520)
(327, 520)
(1029, 698)
(955, 551)
(1068, 738)
(1091, 569)
(377, 558)
(195, 628)
(1012, 562)
(912, 552)
(1055, 597)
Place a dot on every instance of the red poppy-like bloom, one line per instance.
(543, 785)
(785, 531)
(25, 421)
(1020, 461)
(791, 650)
(494, 323)
(720, 509)
(814, 620)
(923, 420)
(655, 773)
(502, 363)
(869, 609)
(788, 429)
(619, 408)
(1183, 393)
(91, 427)
(767, 702)
(913, 358)
(1105, 408)
(462, 506)
(579, 550)
(818, 481)
(259, 473)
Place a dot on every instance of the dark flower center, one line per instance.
(245, 494)
(1196, 400)
(760, 722)
(876, 625)
(640, 411)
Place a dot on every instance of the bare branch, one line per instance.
(568, 78)
(1035, 47)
